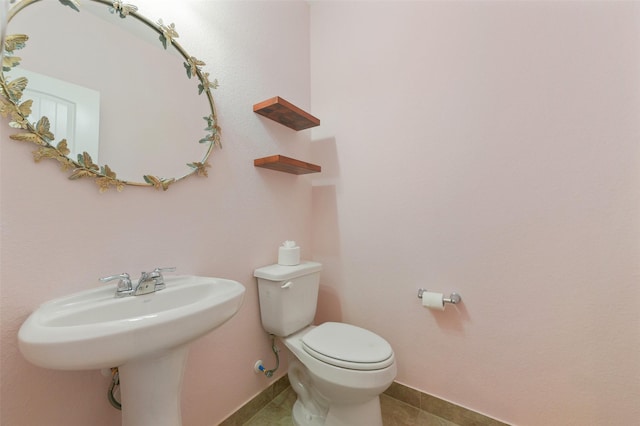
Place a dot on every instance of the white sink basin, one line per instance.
(145, 336)
(93, 329)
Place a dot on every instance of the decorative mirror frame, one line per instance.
(12, 105)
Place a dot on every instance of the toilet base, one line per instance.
(303, 417)
(367, 413)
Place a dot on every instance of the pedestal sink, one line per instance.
(145, 336)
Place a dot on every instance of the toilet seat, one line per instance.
(348, 346)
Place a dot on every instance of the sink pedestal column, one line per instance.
(150, 389)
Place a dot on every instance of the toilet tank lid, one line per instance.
(281, 272)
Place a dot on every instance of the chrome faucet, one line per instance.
(148, 282)
(151, 281)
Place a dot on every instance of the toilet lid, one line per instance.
(348, 346)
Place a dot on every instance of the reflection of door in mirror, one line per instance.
(73, 111)
(151, 116)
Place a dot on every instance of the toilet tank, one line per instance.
(288, 296)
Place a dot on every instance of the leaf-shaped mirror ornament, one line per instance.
(141, 120)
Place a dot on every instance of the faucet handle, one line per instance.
(157, 273)
(124, 285)
(123, 276)
(166, 269)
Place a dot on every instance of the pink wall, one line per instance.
(59, 236)
(489, 148)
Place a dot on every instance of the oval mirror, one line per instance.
(108, 93)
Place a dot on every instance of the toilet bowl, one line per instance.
(347, 367)
(340, 369)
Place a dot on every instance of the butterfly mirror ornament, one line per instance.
(107, 93)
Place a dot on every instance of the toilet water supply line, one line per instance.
(276, 351)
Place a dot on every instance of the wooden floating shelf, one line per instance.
(286, 164)
(285, 113)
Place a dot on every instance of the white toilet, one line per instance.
(341, 369)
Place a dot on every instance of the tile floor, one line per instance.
(394, 413)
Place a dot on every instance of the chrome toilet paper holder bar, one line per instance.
(454, 298)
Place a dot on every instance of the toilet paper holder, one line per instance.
(454, 298)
